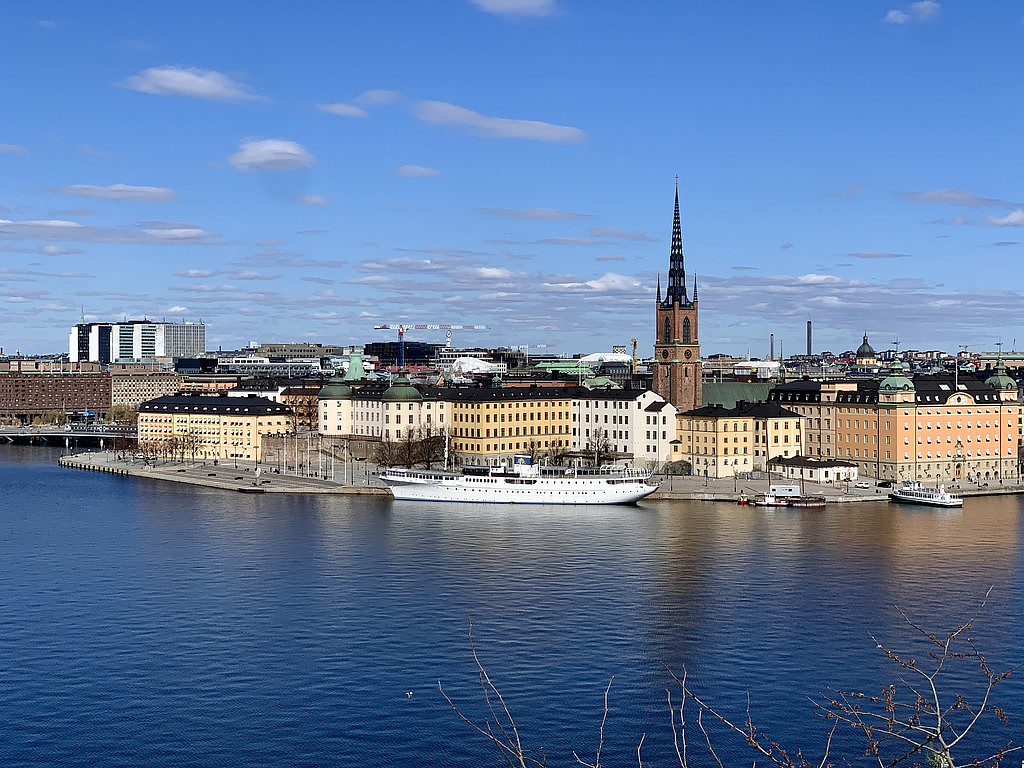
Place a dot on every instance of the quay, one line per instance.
(360, 478)
(226, 475)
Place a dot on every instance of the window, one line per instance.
(686, 330)
(666, 333)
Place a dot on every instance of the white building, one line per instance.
(135, 341)
(633, 422)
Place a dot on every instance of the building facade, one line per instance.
(677, 374)
(132, 388)
(726, 442)
(135, 340)
(928, 428)
(29, 394)
(206, 428)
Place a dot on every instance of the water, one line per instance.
(146, 623)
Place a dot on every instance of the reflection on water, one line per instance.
(150, 623)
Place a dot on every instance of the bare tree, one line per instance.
(921, 719)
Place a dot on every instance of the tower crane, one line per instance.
(403, 327)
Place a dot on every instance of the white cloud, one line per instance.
(619, 234)
(877, 255)
(609, 257)
(957, 197)
(345, 110)
(12, 149)
(1012, 219)
(535, 214)
(119, 192)
(378, 96)
(177, 310)
(187, 81)
(441, 112)
(416, 170)
(270, 155)
(925, 10)
(95, 152)
(315, 201)
(517, 8)
(57, 250)
(47, 24)
(851, 191)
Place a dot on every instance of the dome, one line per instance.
(336, 389)
(865, 349)
(1000, 380)
(896, 381)
(401, 391)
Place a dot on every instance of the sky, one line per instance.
(306, 171)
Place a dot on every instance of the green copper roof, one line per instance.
(896, 381)
(336, 389)
(1000, 380)
(401, 391)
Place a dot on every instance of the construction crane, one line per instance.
(403, 327)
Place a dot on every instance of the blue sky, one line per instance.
(305, 171)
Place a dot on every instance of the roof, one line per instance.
(246, 406)
(744, 410)
(728, 393)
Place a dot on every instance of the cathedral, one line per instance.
(677, 366)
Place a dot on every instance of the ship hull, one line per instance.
(515, 490)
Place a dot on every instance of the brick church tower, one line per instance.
(677, 366)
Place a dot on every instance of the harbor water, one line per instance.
(149, 623)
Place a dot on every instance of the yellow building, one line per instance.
(194, 428)
(481, 425)
(724, 442)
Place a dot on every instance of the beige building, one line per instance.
(203, 428)
(724, 442)
(133, 388)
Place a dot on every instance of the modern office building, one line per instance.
(135, 340)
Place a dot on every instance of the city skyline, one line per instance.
(511, 163)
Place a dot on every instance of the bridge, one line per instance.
(67, 435)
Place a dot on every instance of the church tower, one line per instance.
(677, 366)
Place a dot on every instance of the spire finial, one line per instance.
(676, 292)
(659, 287)
(694, 289)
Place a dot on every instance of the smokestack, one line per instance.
(771, 348)
(809, 338)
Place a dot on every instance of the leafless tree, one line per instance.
(920, 720)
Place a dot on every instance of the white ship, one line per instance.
(524, 483)
(915, 493)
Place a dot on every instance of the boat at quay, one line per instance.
(915, 493)
(523, 483)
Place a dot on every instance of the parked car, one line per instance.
(883, 484)
(862, 484)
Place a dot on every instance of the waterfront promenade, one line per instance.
(360, 478)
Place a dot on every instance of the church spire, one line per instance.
(659, 287)
(676, 272)
(694, 289)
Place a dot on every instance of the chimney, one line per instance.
(809, 338)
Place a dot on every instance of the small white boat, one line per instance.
(524, 483)
(915, 493)
(769, 500)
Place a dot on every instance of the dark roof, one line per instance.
(810, 462)
(243, 406)
(770, 410)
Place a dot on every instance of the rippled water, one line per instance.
(146, 623)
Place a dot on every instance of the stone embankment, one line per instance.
(230, 476)
(359, 478)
